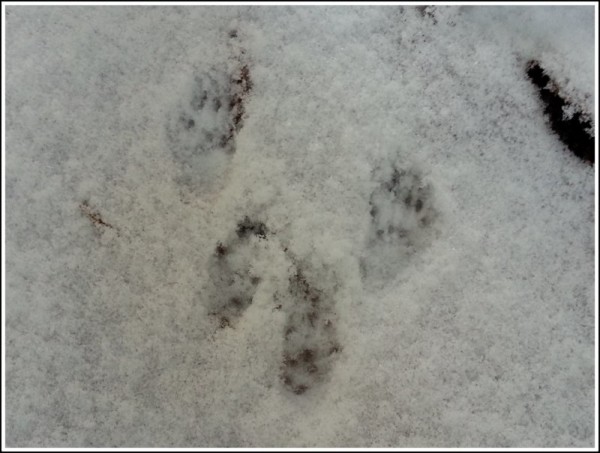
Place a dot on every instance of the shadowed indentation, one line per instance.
(573, 129)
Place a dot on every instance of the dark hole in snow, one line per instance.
(573, 131)
(247, 227)
(220, 250)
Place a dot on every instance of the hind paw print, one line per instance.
(402, 215)
(310, 341)
(201, 131)
(233, 284)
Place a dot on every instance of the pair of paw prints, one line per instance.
(309, 335)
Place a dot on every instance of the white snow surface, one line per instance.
(462, 317)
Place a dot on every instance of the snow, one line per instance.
(412, 223)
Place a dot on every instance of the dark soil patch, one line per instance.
(573, 131)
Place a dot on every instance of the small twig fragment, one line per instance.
(94, 216)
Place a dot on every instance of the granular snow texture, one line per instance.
(297, 226)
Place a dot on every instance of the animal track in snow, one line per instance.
(233, 284)
(201, 131)
(310, 340)
(428, 12)
(402, 215)
(309, 332)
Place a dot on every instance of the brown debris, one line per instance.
(94, 216)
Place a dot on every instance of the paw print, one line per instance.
(401, 207)
(402, 218)
(201, 131)
(233, 285)
(310, 341)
